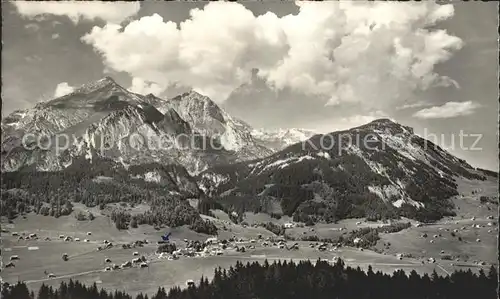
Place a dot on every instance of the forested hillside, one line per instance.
(164, 187)
(378, 170)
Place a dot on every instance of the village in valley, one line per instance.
(54, 250)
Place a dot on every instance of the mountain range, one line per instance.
(189, 138)
(102, 118)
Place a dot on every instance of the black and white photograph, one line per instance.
(249, 150)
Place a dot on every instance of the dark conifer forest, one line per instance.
(287, 280)
(52, 193)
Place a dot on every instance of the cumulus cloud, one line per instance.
(78, 10)
(448, 110)
(63, 89)
(417, 104)
(373, 53)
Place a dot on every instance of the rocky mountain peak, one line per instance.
(196, 106)
(96, 85)
(278, 139)
(104, 108)
(200, 111)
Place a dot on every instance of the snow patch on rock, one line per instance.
(324, 155)
(152, 176)
(385, 192)
(282, 163)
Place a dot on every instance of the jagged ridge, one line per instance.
(105, 109)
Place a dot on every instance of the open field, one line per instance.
(468, 249)
(87, 264)
(462, 226)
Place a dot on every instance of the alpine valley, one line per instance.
(103, 163)
(248, 150)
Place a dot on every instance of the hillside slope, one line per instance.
(381, 169)
(165, 189)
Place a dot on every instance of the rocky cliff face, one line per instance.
(104, 119)
(210, 120)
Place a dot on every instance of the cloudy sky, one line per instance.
(322, 66)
